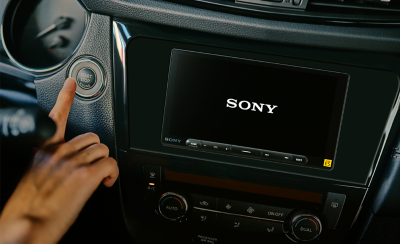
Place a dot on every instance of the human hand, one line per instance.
(62, 178)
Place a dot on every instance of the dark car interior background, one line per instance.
(232, 121)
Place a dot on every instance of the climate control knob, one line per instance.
(172, 206)
(305, 226)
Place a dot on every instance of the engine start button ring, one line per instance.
(90, 77)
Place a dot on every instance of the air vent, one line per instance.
(390, 6)
(372, 8)
(342, 12)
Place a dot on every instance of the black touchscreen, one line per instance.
(248, 108)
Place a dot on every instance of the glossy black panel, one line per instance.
(147, 75)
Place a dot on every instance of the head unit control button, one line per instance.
(299, 159)
(216, 147)
(246, 152)
(193, 143)
(277, 156)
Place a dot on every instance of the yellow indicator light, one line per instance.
(151, 184)
(327, 163)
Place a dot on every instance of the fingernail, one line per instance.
(69, 84)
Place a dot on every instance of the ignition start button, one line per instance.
(89, 75)
(86, 78)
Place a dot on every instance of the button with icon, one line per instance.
(277, 156)
(236, 223)
(203, 218)
(238, 207)
(333, 207)
(204, 202)
(276, 213)
(152, 173)
(269, 227)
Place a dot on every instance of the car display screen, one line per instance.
(254, 109)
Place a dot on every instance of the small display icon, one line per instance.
(328, 163)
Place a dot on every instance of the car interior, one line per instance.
(232, 121)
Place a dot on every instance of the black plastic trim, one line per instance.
(385, 40)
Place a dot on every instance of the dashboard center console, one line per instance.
(217, 145)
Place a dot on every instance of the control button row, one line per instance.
(246, 151)
(204, 218)
(238, 207)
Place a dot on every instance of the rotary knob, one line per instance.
(172, 206)
(305, 226)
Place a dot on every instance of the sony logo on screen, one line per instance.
(172, 140)
(245, 105)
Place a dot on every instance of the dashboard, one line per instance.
(240, 121)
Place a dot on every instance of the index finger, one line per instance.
(61, 109)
